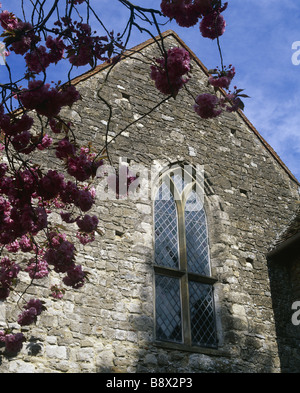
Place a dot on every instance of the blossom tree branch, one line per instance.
(31, 121)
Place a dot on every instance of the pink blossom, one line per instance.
(25, 38)
(68, 218)
(235, 102)
(178, 62)
(87, 47)
(168, 73)
(37, 60)
(83, 166)
(28, 316)
(212, 25)
(3, 169)
(45, 100)
(92, 191)
(68, 95)
(25, 184)
(25, 244)
(223, 78)
(61, 254)
(84, 200)
(55, 239)
(35, 303)
(13, 126)
(40, 97)
(69, 192)
(20, 141)
(50, 184)
(85, 238)
(8, 272)
(13, 247)
(45, 143)
(2, 336)
(23, 220)
(56, 47)
(57, 292)
(8, 20)
(37, 269)
(207, 106)
(88, 223)
(54, 125)
(185, 12)
(65, 148)
(75, 277)
(58, 126)
(14, 342)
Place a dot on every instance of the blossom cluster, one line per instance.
(29, 194)
(19, 35)
(8, 273)
(74, 38)
(209, 105)
(88, 47)
(38, 59)
(188, 12)
(32, 309)
(168, 71)
(57, 292)
(222, 78)
(13, 342)
(46, 100)
(37, 268)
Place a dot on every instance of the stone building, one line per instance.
(183, 283)
(284, 265)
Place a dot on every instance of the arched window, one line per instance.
(184, 301)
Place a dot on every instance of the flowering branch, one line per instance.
(29, 193)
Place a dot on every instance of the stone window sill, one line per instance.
(194, 349)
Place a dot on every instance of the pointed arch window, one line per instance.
(184, 300)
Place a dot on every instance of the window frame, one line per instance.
(182, 272)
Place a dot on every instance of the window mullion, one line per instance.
(184, 285)
(181, 237)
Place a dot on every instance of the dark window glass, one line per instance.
(184, 301)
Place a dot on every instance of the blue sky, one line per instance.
(258, 42)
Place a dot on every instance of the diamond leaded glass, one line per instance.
(181, 295)
(181, 179)
(202, 314)
(166, 232)
(178, 181)
(168, 309)
(196, 236)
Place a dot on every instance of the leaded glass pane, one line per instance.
(202, 314)
(196, 236)
(179, 182)
(181, 179)
(168, 309)
(166, 235)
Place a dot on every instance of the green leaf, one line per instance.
(241, 105)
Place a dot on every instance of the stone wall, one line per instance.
(108, 325)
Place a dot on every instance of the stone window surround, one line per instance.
(186, 345)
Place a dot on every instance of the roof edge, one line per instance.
(291, 242)
(163, 35)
